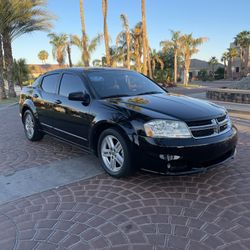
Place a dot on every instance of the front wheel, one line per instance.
(115, 154)
(31, 127)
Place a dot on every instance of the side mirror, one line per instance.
(80, 96)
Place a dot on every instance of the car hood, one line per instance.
(177, 106)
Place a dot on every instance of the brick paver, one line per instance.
(18, 153)
(203, 211)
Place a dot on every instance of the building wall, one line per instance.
(237, 70)
(39, 69)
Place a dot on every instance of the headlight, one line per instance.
(229, 121)
(167, 129)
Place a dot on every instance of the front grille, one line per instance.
(212, 127)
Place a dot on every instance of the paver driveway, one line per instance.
(205, 211)
(18, 153)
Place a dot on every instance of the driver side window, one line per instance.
(69, 84)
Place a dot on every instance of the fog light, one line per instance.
(169, 157)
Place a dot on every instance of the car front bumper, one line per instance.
(182, 156)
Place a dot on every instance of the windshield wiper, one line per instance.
(150, 93)
(114, 96)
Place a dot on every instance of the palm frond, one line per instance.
(77, 41)
(21, 17)
(94, 43)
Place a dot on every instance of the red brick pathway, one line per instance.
(17, 153)
(205, 211)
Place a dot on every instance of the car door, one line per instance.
(72, 118)
(45, 98)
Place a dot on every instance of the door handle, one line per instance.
(35, 96)
(58, 102)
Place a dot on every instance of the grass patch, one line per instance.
(189, 86)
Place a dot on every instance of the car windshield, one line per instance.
(118, 83)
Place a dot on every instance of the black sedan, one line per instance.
(128, 121)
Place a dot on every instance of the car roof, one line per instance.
(84, 70)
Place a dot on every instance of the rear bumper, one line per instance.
(182, 156)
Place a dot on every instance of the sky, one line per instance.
(219, 20)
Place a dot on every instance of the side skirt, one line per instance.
(87, 150)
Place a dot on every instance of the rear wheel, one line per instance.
(31, 127)
(115, 154)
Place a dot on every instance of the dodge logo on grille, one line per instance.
(216, 126)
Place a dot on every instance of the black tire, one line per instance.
(128, 166)
(37, 134)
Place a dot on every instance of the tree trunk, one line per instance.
(128, 48)
(8, 59)
(247, 61)
(105, 28)
(144, 37)
(229, 69)
(149, 64)
(186, 70)
(175, 66)
(185, 77)
(85, 54)
(213, 71)
(2, 89)
(69, 55)
(241, 62)
(137, 55)
(225, 69)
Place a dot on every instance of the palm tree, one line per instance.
(20, 71)
(85, 54)
(68, 49)
(174, 44)
(156, 59)
(97, 63)
(43, 56)
(232, 53)
(105, 30)
(121, 44)
(150, 74)
(144, 35)
(18, 18)
(137, 39)
(212, 63)
(90, 45)
(2, 88)
(125, 35)
(116, 56)
(225, 59)
(189, 47)
(243, 41)
(59, 44)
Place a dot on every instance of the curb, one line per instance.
(243, 112)
(8, 105)
(232, 109)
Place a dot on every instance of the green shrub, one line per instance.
(219, 73)
(203, 75)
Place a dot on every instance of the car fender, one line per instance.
(125, 128)
(28, 104)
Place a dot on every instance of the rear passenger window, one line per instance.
(49, 83)
(70, 84)
(37, 81)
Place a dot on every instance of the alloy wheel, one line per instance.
(29, 125)
(112, 153)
